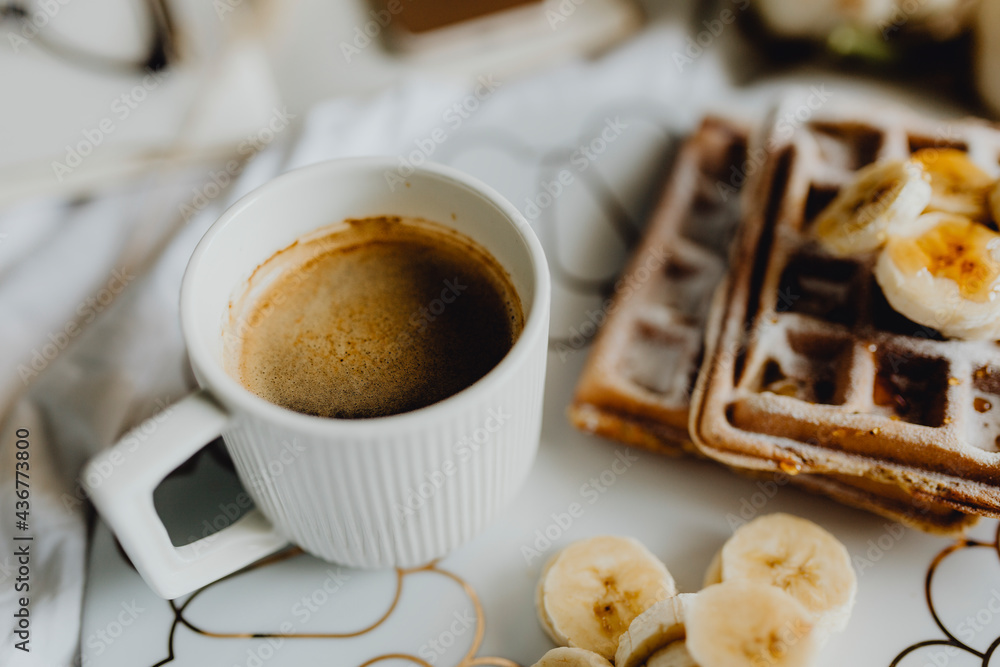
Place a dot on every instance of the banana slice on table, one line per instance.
(591, 591)
(674, 654)
(884, 198)
(958, 185)
(799, 557)
(571, 657)
(543, 618)
(653, 629)
(946, 277)
(749, 623)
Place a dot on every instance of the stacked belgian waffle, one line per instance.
(765, 341)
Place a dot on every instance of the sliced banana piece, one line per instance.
(749, 623)
(591, 591)
(661, 624)
(543, 618)
(674, 654)
(947, 277)
(713, 575)
(571, 657)
(958, 185)
(799, 557)
(884, 197)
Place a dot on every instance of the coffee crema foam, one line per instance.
(377, 317)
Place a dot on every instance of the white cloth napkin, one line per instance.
(90, 331)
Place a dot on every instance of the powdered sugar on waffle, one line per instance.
(827, 375)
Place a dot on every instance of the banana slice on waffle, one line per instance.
(884, 198)
(958, 185)
(797, 556)
(591, 591)
(945, 276)
(748, 623)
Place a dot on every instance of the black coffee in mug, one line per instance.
(377, 317)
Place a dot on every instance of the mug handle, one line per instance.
(121, 480)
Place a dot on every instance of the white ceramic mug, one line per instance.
(391, 491)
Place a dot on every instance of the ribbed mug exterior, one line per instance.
(396, 499)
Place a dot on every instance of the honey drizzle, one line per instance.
(957, 249)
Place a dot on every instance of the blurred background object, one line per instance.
(520, 33)
(98, 90)
(988, 53)
(78, 74)
(928, 43)
(828, 19)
